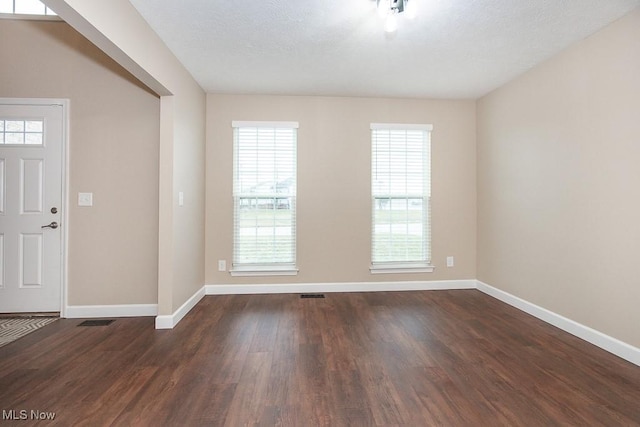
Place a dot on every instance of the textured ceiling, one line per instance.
(452, 49)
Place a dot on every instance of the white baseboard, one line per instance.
(126, 310)
(171, 320)
(605, 342)
(610, 344)
(296, 288)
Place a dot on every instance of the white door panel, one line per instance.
(30, 255)
(31, 138)
(32, 183)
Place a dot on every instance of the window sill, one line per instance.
(30, 17)
(401, 268)
(255, 270)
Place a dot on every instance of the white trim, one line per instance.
(66, 165)
(400, 126)
(126, 310)
(30, 17)
(295, 288)
(605, 342)
(246, 271)
(610, 344)
(400, 268)
(169, 321)
(265, 124)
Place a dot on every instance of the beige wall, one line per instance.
(113, 153)
(559, 183)
(189, 220)
(118, 29)
(334, 190)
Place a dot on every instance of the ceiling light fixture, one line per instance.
(391, 23)
(389, 9)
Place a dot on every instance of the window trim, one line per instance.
(264, 124)
(400, 126)
(402, 266)
(274, 268)
(264, 270)
(30, 17)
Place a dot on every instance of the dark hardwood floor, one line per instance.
(453, 358)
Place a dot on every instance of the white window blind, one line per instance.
(264, 191)
(401, 190)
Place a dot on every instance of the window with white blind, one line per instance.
(401, 192)
(25, 8)
(264, 192)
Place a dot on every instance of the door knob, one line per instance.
(53, 225)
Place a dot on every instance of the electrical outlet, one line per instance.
(222, 265)
(450, 261)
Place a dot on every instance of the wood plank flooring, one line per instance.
(452, 358)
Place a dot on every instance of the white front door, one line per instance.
(31, 162)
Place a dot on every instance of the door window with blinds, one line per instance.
(401, 192)
(264, 192)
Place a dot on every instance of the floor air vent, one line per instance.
(97, 322)
(312, 296)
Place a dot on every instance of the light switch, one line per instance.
(222, 265)
(180, 198)
(85, 199)
(450, 261)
